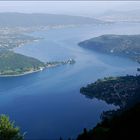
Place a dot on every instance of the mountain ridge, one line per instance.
(43, 19)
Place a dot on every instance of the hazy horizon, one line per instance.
(79, 8)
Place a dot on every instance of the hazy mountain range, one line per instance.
(35, 19)
(112, 15)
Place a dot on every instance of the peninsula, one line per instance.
(114, 90)
(15, 64)
(121, 45)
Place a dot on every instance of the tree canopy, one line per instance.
(8, 130)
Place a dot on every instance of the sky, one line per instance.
(82, 8)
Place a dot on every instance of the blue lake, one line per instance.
(48, 104)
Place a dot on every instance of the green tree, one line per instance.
(8, 130)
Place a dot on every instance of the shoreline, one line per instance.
(22, 74)
(30, 72)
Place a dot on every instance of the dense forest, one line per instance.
(124, 126)
(114, 90)
(122, 123)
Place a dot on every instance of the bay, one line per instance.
(48, 104)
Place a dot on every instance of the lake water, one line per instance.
(48, 104)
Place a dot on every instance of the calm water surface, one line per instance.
(48, 104)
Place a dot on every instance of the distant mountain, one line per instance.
(124, 45)
(127, 16)
(36, 19)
